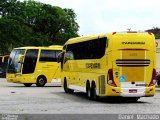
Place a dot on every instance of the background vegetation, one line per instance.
(32, 23)
(155, 31)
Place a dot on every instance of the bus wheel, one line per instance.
(66, 89)
(41, 81)
(93, 93)
(27, 84)
(88, 91)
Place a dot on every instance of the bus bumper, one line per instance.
(18, 78)
(129, 92)
(14, 79)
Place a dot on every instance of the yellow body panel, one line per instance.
(131, 56)
(50, 70)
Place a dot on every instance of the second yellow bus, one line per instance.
(34, 65)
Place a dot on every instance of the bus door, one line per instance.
(68, 66)
(57, 65)
(29, 65)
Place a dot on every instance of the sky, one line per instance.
(101, 16)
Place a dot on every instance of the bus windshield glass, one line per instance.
(13, 65)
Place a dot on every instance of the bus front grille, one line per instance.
(132, 62)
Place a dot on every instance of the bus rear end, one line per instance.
(132, 72)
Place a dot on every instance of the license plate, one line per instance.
(132, 91)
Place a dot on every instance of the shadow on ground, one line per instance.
(81, 97)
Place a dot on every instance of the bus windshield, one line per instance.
(13, 65)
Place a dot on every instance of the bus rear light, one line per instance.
(111, 82)
(153, 80)
(110, 79)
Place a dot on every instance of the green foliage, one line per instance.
(155, 31)
(157, 36)
(32, 23)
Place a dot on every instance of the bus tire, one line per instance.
(41, 81)
(66, 89)
(88, 90)
(27, 84)
(93, 92)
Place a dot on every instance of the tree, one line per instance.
(155, 31)
(31, 23)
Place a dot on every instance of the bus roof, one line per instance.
(108, 35)
(81, 39)
(52, 47)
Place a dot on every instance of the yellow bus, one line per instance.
(112, 64)
(34, 65)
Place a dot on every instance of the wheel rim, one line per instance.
(41, 81)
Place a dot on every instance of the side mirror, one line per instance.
(20, 58)
(60, 57)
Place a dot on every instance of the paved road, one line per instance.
(17, 99)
